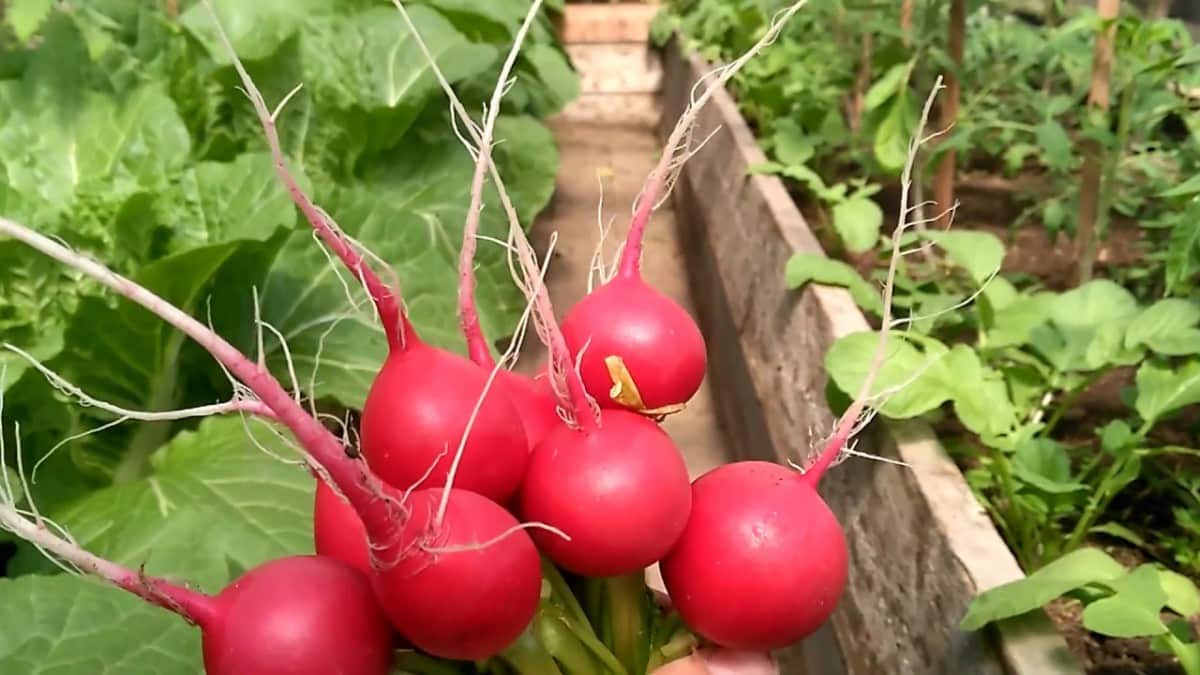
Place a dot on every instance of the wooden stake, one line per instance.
(1093, 159)
(943, 182)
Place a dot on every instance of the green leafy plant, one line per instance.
(1117, 602)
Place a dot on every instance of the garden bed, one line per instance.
(921, 545)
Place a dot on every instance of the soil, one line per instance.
(1103, 655)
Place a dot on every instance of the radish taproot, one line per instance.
(296, 616)
(620, 489)
(464, 582)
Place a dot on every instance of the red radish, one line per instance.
(422, 397)
(338, 532)
(465, 587)
(535, 402)
(297, 616)
(416, 413)
(658, 342)
(763, 560)
(619, 490)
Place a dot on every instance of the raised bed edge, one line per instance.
(921, 545)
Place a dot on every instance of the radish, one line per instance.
(338, 532)
(467, 580)
(295, 616)
(421, 399)
(417, 411)
(628, 325)
(763, 561)
(300, 615)
(620, 489)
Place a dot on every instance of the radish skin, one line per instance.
(464, 588)
(303, 615)
(338, 532)
(621, 491)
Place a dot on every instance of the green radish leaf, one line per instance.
(1044, 464)
(64, 624)
(792, 145)
(917, 377)
(1182, 596)
(256, 29)
(1055, 144)
(1162, 389)
(1117, 617)
(1188, 188)
(981, 398)
(1074, 570)
(857, 222)
(25, 16)
(887, 86)
(1014, 323)
(216, 474)
(1121, 532)
(556, 83)
(1167, 327)
(979, 253)
(1183, 249)
(1095, 303)
(804, 268)
(892, 136)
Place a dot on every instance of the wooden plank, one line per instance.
(606, 23)
(616, 68)
(613, 110)
(919, 542)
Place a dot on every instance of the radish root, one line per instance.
(860, 412)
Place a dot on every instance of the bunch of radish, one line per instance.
(483, 501)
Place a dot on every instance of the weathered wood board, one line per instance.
(920, 544)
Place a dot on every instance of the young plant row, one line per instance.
(445, 528)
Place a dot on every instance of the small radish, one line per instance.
(338, 532)
(619, 489)
(534, 400)
(763, 560)
(462, 584)
(640, 349)
(416, 413)
(297, 616)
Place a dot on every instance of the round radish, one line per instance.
(762, 562)
(338, 532)
(535, 403)
(418, 409)
(658, 342)
(303, 615)
(620, 491)
(456, 589)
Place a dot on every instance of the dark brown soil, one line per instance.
(1104, 655)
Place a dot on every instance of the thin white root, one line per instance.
(462, 548)
(861, 410)
(237, 404)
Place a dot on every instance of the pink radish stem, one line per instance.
(195, 607)
(395, 321)
(662, 177)
(477, 346)
(362, 488)
(849, 421)
(576, 397)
